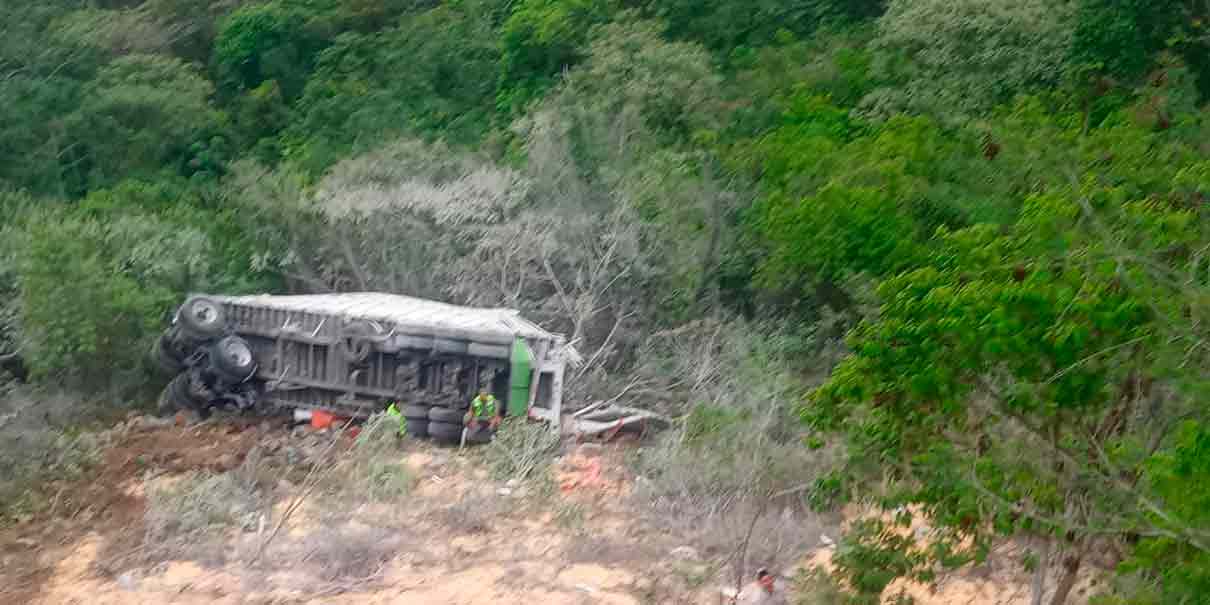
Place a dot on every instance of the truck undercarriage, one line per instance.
(353, 354)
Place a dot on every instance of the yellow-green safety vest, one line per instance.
(483, 408)
(394, 411)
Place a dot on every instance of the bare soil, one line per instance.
(458, 538)
(107, 507)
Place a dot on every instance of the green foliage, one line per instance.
(709, 422)
(871, 555)
(265, 41)
(737, 441)
(540, 39)
(1119, 38)
(952, 59)
(1007, 199)
(31, 458)
(832, 66)
(669, 85)
(199, 508)
(435, 75)
(373, 472)
(816, 586)
(92, 289)
(1026, 340)
(736, 25)
(1180, 571)
(839, 230)
(843, 198)
(521, 449)
(155, 109)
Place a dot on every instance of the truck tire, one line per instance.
(445, 432)
(232, 357)
(202, 317)
(447, 415)
(416, 412)
(176, 396)
(166, 357)
(418, 428)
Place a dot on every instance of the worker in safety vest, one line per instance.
(394, 412)
(484, 409)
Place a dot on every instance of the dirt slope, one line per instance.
(459, 538)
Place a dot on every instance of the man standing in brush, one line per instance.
(764, 591)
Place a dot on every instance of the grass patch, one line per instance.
(36, 452)
(815, 586)
(372, 470)
(521, 449)
(570, 516)
(191, 517)
(474, 512)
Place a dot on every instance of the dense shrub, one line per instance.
(94, 291)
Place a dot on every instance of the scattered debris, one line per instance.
(604, 421)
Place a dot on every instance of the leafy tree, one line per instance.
(93, 292)
(658, 93)
(266, 41)
(1057, 337)
(12, 206)
(841, 198)
(730, 25)
(435, 74)
(41, 77)
(834, 65)
(617, 136)
(540, 39)
(1168, 569)
(116, 32)
(139, 116)
(1119, 38)
(954, 59)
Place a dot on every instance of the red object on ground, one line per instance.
(353, 432)
(321, 419)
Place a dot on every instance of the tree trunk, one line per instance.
(1071, 568)
(1038, 585)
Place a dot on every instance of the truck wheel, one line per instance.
(416, 412)
(232, 357)
(203, 317)
(445, 432)
(418, 428)
(447, 415)
(166, 357)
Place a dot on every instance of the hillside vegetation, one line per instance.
(947, 257)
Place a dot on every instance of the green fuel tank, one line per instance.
(519, 376)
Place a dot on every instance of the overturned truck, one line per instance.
(352, 354)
